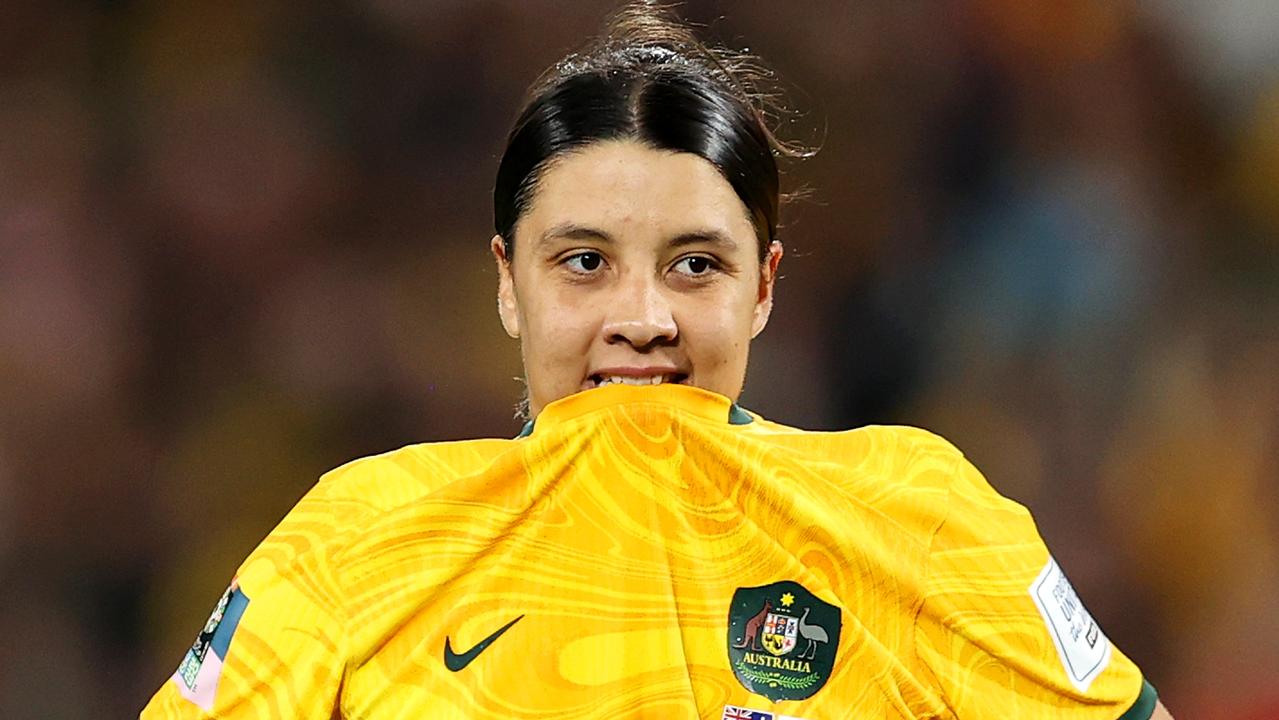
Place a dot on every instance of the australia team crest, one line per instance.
(782, 640)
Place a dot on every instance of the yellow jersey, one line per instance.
(655, 552)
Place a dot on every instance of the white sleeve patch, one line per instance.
(1083, 649)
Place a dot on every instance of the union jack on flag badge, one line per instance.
(732, 712)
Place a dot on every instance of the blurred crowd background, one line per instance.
(244, 242)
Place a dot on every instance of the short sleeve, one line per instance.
(274, 646)
(1000, 628)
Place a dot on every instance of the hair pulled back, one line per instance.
(648, 78)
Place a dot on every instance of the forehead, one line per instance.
(626, 188)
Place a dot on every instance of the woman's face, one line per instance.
(634, 265)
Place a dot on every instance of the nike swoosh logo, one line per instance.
(456, 661)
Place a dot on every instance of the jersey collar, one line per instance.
(693, 400)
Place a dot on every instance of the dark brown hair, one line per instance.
(648, 78)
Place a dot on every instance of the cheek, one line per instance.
(558, 326)
(719, 332)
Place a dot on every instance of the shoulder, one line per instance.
(918, 478)
(901, 455)
(891, 439)
(381, 483)
(288, 631)
(349, 500)
(906, 474)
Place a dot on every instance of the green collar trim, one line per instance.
(1144, 706)
(526, 431)
(736, 416)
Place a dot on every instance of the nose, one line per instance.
(641, 316)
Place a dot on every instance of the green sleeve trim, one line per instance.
(1144, 706)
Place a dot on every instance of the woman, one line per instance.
(653, 550)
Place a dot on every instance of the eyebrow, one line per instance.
(573, 231)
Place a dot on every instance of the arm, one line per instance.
(1004, 632)
(274, 655)
(275, 644)
(1161, 713)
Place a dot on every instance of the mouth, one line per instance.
(601, 379)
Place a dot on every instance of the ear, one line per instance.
(507, 306)
(764, 294)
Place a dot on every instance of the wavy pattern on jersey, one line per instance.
(621, 536)
(620, 530)
(980, 633)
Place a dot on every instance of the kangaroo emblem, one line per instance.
(750, 638)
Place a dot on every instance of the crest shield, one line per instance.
(782, 640)
(779, 633)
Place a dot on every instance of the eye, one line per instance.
(584, 262)
(695, 265)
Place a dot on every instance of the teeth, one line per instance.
(629, 380)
